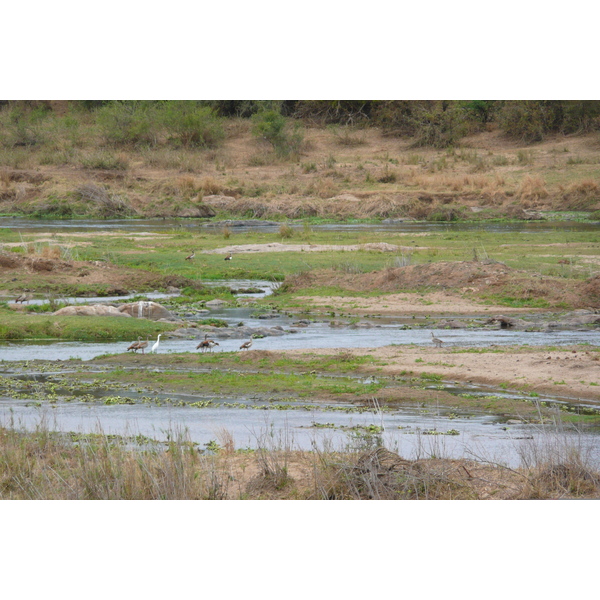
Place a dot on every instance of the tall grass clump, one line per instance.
(285, 231)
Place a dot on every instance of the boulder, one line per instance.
(146, 310)
(216, 303)
(91, 310)
(450, 324)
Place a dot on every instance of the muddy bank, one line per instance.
(570, 372)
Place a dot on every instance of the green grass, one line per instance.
(218, 381)
(38, 327)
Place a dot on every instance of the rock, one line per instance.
(216, 303)
(450, 324)
(147, 310)
(96, 310)
(509, 322)
(224, 333)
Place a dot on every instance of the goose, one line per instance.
(207, 344)
(246, 345)
(24, 298)
(228, 257)
(142, 345)
(155, 346)
(135, 345)
(191, 255)
(438, 343)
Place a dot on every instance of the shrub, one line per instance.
(528, 120)
(106, 205)
(273, 127)
(189, 124)
(439, 128)
(20, 127)
(126, 122)
(437, 124)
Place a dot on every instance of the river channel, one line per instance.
(414, 432)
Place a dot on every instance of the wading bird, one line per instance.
(135, 345)
(191, 255)
(246, 345)
(206, 344)
(438, 343)
(24, 298)
(155, 346)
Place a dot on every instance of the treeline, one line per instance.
(433, 123)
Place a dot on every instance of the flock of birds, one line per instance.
(141, 345)
(206, 344)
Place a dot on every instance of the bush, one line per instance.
(439, 128)
(189, 124)
(436, 124)
(21, 127)
(126, 122)
(273, 127)
(529, 120)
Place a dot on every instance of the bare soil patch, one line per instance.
(571, 372)
(462, 285)
(278, 247)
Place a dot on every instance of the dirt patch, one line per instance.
(277, 247)
(476, 280)
(432, 303)
(572, 372)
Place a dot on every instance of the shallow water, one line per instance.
(413, 432)
(166, 225)
(316, 335)
(410, 431)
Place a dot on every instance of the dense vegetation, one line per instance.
(436, 123)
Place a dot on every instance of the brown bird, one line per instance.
(228, 257)
(191, 255)
(246, 345)
(142, 345)
(438, 343)
(206, 344)
(24, 298)
(135, 345)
